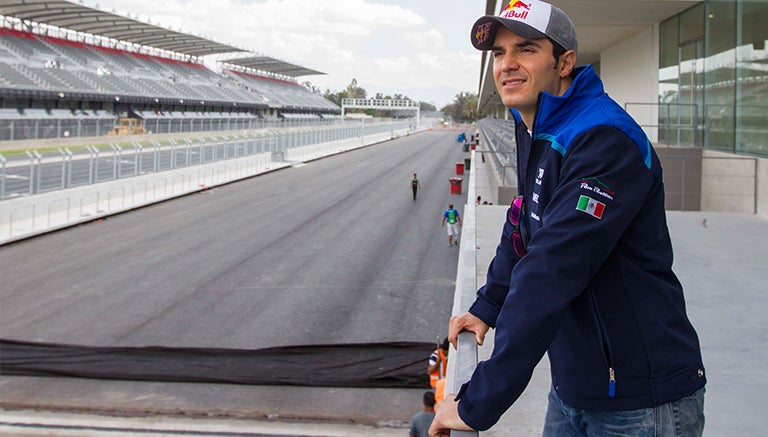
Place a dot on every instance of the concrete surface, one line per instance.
(721, 260)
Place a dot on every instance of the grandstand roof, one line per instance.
(80, 18)
(272, 65)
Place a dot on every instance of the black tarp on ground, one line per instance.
(381, 365)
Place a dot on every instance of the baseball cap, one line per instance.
(529, 19)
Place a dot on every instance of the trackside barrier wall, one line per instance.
(26, 216)
(463, 360)
(317, 151)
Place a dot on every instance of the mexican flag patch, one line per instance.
(591, 206)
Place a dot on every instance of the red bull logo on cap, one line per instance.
(483, 32)
(516, 9)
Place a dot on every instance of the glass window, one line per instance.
(668, 79)
(720, 75)
(690, 105)
(668, 31)
(752, 79)
(692, 23)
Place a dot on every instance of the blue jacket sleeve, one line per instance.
(563, 256)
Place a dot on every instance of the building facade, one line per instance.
(713, 76)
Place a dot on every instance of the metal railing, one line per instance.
(134, 177)
(463, 362)
(36, 171)
(731, 128)
(499, 136)
(670, 124)
(31, 128)
(25, 129)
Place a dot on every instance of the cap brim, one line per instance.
(483, 39)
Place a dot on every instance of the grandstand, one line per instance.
(70, 70)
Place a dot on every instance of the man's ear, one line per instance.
(568, 63)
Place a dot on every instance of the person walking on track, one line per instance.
(415, 185)
(452, 217)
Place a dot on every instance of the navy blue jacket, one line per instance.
(596, 289)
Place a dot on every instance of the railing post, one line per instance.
(63, 167)
(92, 152)
(39, 159)
(682, 183)
(2, 177)
(69, 166)
(31, 170)
(117, 163)
(137, 150)
(668, 124)
(187, 158)
(66, 166)
(173, 152)
(757, 186)
(155, 156)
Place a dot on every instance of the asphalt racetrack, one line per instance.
(331, 251)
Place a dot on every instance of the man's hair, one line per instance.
(557, 51)
(450, 205)
(429, 399)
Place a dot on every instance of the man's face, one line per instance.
(522, 68)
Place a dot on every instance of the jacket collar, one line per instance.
(585, 87)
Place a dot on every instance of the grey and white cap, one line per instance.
(529, 19)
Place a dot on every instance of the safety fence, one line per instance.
(737, 129)
(50, 127)
(40, 124)
(668, 124)
(499, 138)
(125, 188)
(43, 170)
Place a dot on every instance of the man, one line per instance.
(415, 185)
(420, 421)
(583, 269)
(452, 217)
(438, 362)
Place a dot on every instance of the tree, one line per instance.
(427, 107)
(334, 97)
(463, 109)
(355, 92)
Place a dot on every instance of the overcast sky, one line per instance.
(419, 48)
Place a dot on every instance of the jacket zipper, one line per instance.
(611, 383)
(606, 347)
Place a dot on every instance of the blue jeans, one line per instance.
(680, 418)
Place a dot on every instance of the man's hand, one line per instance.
(447, 418)
(468, 322)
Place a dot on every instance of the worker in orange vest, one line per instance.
(439, 391)
(438, 362)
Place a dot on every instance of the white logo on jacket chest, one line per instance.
(539, 176)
